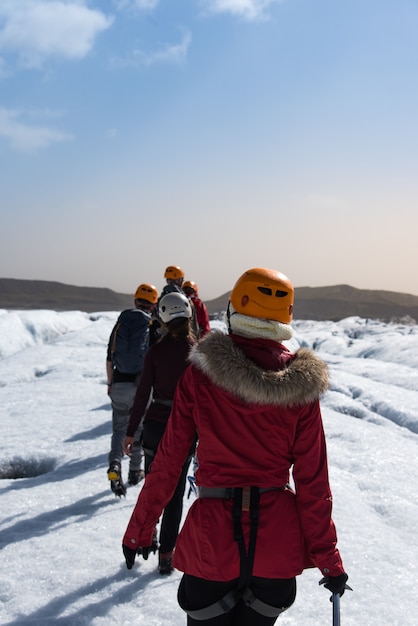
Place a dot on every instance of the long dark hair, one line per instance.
(180, 327)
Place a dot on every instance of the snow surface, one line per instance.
(61, 527)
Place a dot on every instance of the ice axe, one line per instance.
(335, 599)
(336, 609)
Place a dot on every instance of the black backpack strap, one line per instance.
(254, 517)
(245, 499)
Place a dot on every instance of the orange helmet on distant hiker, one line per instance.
(147, 292)
(264, 293)
(174, 272)
(189, 286)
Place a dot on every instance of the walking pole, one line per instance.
(335, 599)
(336, 609)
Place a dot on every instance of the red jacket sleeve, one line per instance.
(202, 316)
(313, 494)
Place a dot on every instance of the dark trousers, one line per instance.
(196, 593)
(171, 518)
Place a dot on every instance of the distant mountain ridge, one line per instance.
(43, 294)
(313, 303)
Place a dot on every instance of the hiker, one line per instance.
(202, 316)
(164, 363)
(174, 278)
(256, 408)
(128, 343)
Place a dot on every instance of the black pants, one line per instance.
(196, 593)
(171, 518)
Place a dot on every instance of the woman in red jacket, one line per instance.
(256, 408)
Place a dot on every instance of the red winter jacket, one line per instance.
(255, 407)
(202, 315)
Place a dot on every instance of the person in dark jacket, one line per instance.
(164, 363)
(122, 383)
(256, 408)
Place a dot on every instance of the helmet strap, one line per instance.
(228, 317)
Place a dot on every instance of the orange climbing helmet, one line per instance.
(263, 293)
(174, 272)
(189, 287)
(148, 292)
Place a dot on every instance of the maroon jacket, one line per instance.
(164, 363)
(202, 315)
(256, 409)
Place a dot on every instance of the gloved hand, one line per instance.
(335, 584)
(145, 552)
(129, 554)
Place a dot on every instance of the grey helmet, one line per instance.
(174, 305)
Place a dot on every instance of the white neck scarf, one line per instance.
(255, 327)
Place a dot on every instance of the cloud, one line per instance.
(38, 29)
(141, 5)
(247, 9)
(169, 53)
(24, 137)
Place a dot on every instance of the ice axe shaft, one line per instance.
(336, 609)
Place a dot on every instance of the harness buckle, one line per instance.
(246, 497)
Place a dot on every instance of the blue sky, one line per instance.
(217, 135)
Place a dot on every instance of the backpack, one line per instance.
(170, 288)
(130, 341)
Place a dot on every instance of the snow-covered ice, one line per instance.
(61, 527)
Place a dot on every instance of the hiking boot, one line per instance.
(114, 472)
(135, 476)
(165, 563)
(116, 483)
(118, 488)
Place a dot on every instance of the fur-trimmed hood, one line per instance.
(303, 380)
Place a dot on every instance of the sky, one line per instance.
(217, 135)
(61, 527)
